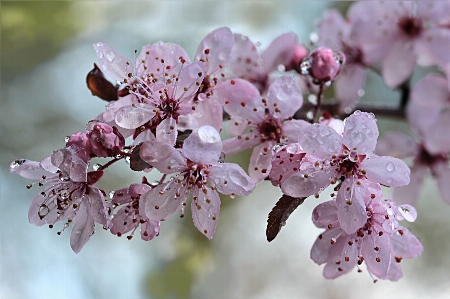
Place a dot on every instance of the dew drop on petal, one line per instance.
(66, 139)
(17, 163)
(111, 194)
(361, 92)
(390, 167)
(312, 98)
(389, 181)
(305, 66)
(43, 211)
(97, 166)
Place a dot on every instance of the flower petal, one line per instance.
(279, 52)
(203, 145)
(385, 170)
(377, 261)
(409, 194)
(292, 130)
(286, 161)
(348, 84)
(405, 244)
(150, 229)
(189, 80)
(351, 207)
(361, 132)
(166, 131)
(132, 117)
(321, 247)
(163, 200)
(325, 214)
(230, 178)
(396, 144)
(284, 97)
(320, 141)
(163, 157)
(114, 65)
(83, 227)
(442, 175)
(215, 48)
(260, 161)
(342, 258)
(399, 63)
(205, 209)
(235, 145)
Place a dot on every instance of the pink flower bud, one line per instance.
(106, 141)
(323, 64)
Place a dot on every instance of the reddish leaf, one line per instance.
(136, 162)
(99, 86)
(280, 213)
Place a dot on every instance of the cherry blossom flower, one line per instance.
(160, 90)
(329, 157)
(101, 140)
(127, 218)
(70, 197)
(214, 52)
(428, 114)
(380, 242)
(253, 126)
(399, 33)
(196, 170)
(323, 64)
(249, 64)
(341, 35)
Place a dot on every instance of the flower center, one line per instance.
(270, 129)
(411, 26)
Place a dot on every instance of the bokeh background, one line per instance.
(46, 52)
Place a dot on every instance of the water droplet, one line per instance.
(312, 98)
(77, 232)
(361, 92)
(346, 208)
(17, 163)
(389, 181)
(127, 160)
(309, 115)
(64, 177)
(110, 56)
(43, 211)
(154, 184)
(111, 193)
(97, 166)
(339, 57)
(222, 157)
(313, 37)
(172, 161)
(305, 66)
(390, 167)
(66, 139)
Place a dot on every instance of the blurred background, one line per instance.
(46, 52)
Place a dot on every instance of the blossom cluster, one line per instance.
(166, 111)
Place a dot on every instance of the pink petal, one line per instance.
(406, 212)
(279, 52)
(203, 146)
(385, 170)
(399, 63)
(260, 161)
(99, 208)
(377, 262)
(241, 98)
(396, 144)
(244, 58)
(29, 169)
(315, 181)
(320, 141)
(321, 247)
(286, 161)
(410, 193)
(215, 48)
(347, 85)
(351, 207)
(395, 271)
(292, 130)
(325, 214)
(207, 112)
(123, 221)
(437, 140)
(205, 209)
(163, 157)
(70, 165)
(230, 178)
(83, 228)
(360, 132)
(150, 229)
(432, 46)
(159, 52)
(405, 244)
(163, 200)
(132, 117)
(237, 144)
(441, 172)
(284, 97)
(332, 28)
(237, 126)
(166, 131)
(114, 65)
(189, 80)
(342, 258)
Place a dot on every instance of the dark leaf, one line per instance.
(136, 162)
(99, 86)
(280, 213)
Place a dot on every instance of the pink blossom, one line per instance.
(323, 64)
(128, 218)
(428, 114)
(214, 52)
(70, 197)
(196, 170)
(249, 64)
(161, 88)
(341, 35)
(329, 157)
(380, 242)
(399, 33)
(253, 126)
